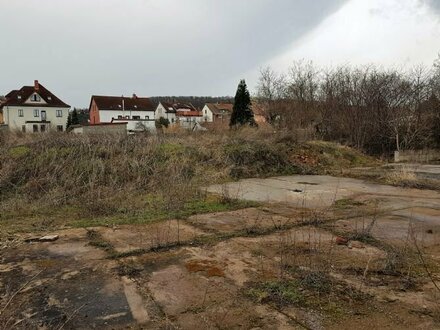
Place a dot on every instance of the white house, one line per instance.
(189, 119)
(137, 112)
(170, 111)
(217, 112)
(166, 110)
(34, 109)
(183, 114)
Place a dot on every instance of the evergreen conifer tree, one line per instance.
(69, 120)
(242, 113)
(75, 118)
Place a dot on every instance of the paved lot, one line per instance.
(195, 273)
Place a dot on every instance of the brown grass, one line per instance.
(52, 179)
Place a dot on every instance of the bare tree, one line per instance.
(271, 90)
(367, 107)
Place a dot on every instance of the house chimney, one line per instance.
(135, 96)
(36, 85)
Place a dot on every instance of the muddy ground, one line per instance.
(320, 253)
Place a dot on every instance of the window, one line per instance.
(23, 128)
(172, 120)
(59, 113)
(35, 128)
(20, 112)
(36, 113)
(43, 128)
(147, 117)
(127, 117)
(206, 112)
(119, 117)
(136, 117)
(36, 98)
(60, 128)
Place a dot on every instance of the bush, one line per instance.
(257, 159)
(162, 122)
(98, 175)
(280, 293)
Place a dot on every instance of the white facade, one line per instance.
(190, 122)
(138, 125)
(106, 116)
(208, 116)
(37, 118)
(161, 111)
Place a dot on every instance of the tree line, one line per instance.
(197, 101)
(368, 107)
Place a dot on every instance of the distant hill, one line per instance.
(197, 101)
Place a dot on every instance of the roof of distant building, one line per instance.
(220, 108)
(119, 103)
(21, 97)
(173, 107)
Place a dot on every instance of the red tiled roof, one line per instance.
(130, 103)
(220, 108)
(258, 109)
(19, 97)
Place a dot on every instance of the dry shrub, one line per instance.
(101, 174)
(401, 176)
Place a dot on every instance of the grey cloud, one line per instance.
(434, 4)
(152, 47)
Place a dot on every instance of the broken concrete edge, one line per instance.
(47, 238)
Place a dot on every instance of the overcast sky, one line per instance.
(77, 48)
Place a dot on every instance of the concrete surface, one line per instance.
(320, 191)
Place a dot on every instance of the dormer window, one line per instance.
(49, 98)
(19, 97)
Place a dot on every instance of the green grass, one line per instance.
(280, 293)
(19, 152)
(149, 210)
(347, 203)
(145, 216)
(96, 240)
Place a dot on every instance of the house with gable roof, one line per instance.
(137, 112)
(217, 112)
(33, 109)
(184, 114)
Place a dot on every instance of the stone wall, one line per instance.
(101, 129)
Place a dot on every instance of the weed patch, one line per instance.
(280, 293)
(96, 240)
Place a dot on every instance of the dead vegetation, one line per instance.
(199, 259)
(55, 179)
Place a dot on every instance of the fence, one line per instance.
(417, 156)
